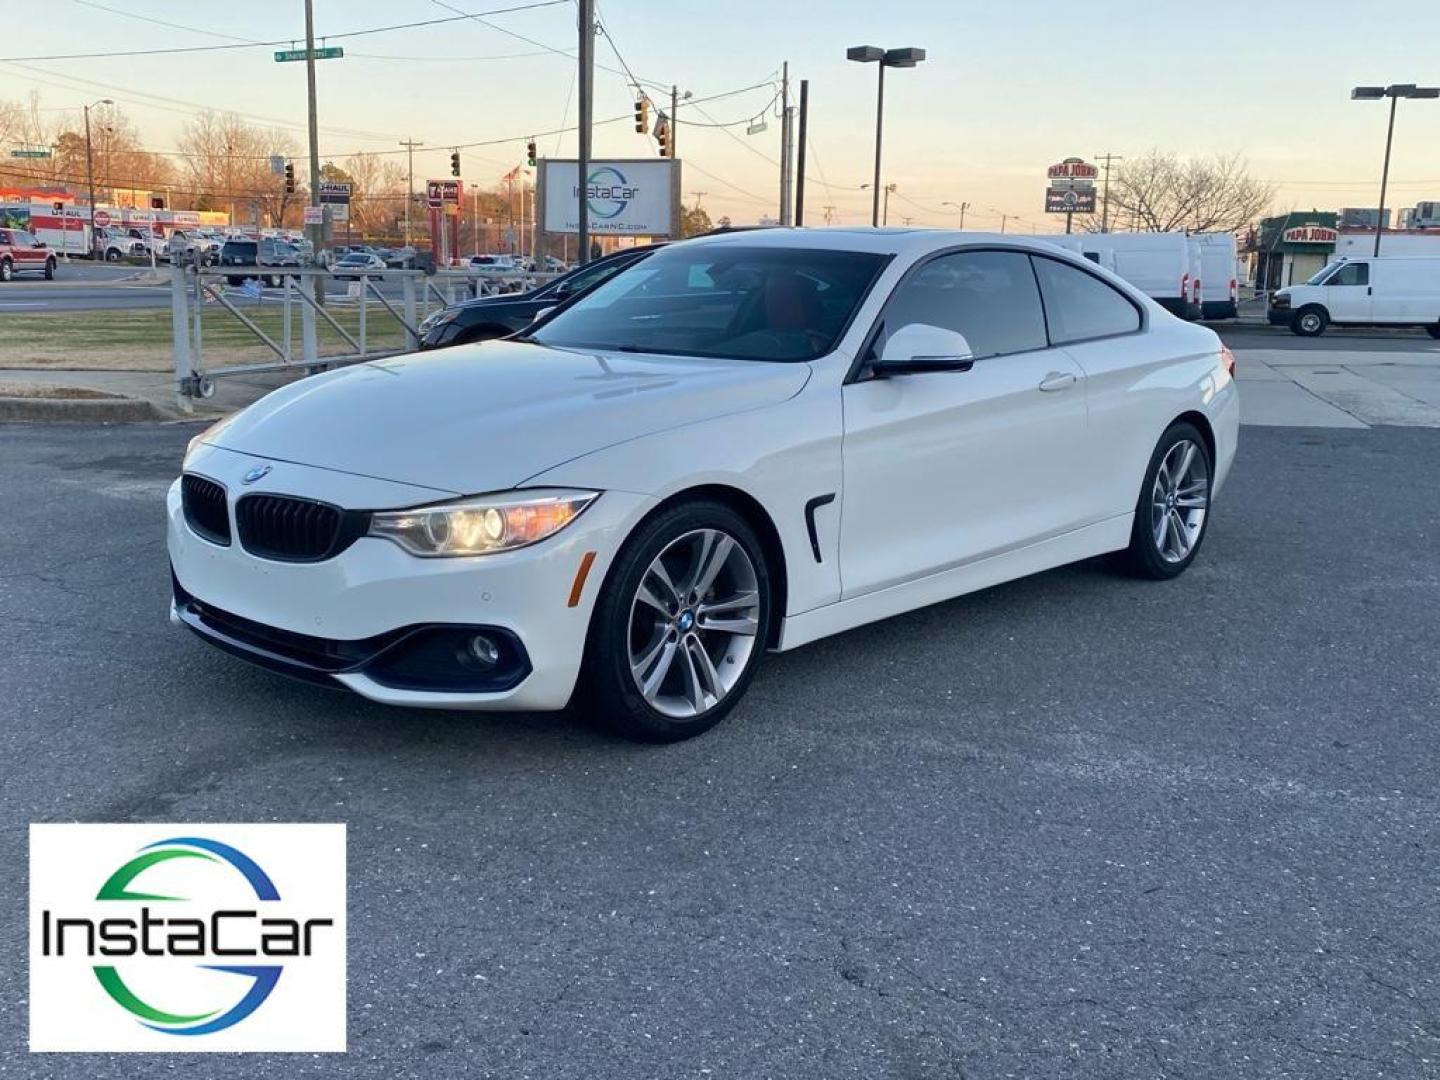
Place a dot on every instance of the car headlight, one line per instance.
(440, 318)
(483, 525)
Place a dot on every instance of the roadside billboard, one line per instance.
(627, 197)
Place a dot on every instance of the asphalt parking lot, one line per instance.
(1075, 826)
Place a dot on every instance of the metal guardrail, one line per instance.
(308, 289)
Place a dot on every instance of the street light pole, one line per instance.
(879, 137)
(961, 206)
(1394, 92)
(1385, 175)
(90, 171)
(585, 92)
(872, 54)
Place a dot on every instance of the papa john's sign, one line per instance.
(1310, 234)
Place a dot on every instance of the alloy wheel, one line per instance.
(694, 623)
(1179, 499)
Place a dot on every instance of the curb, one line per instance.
(116, 410)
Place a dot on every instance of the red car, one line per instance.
(21, 253)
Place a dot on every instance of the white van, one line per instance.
(1219, 290)
(1166, 266)
(1363, 292)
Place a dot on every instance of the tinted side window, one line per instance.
(1080, 306)
(989, 296)
(1351, 274)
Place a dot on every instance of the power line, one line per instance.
(290, 41)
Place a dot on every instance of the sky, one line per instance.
(1006, 89)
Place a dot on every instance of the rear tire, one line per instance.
(642, 676)
(1172, 513)
(1433, 330)
(1310, 321)
(7, 270)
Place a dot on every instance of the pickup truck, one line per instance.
(21, 253)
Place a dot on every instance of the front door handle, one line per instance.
(1058, 380)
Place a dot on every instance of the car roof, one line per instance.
(885, 241)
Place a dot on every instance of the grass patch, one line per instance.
(141, 340)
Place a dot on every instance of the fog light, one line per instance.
(482, 651)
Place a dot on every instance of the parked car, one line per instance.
(496, 316)
(112, 244)
(401, 258)
(193, 245)
(22, 253)
(263, 252)
(1219, 289)
(507, 263)
(653, 474)
(1387, 291)
(1164, 266)
(357, 264)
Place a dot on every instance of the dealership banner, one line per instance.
(627, 198)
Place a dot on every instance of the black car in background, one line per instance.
(262, 252)
(498, 316)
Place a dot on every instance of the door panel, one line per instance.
(1347, 293)
(945, 468)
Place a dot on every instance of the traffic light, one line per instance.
(289, 178)
(642, 115)
(455, 163)
(662, 136)
(530, 153)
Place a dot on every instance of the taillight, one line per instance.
(1228, 359)
(1197, 290)
(1184, 286)
(1234, 290)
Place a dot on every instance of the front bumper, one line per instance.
(1280, 316)
(335, 617)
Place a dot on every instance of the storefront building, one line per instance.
(1292, 248)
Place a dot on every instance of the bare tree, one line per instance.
(227, 162)
(1163, 193)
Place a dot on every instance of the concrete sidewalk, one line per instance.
(1339, 388)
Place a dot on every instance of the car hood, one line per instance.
(487, 417)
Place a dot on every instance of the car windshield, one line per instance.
(759, 303)
(1319, 278)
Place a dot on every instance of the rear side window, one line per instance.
(989, 296)
(1079, 306)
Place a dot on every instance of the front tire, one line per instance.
(1173, 510)
(49, 269)
(1433, 330)
(112, 255)
(680, 626)
(1310, 321)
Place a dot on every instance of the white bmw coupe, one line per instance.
(742, 443)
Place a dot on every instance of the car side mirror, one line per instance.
(40, 243)
(563, 290)
(544, 311)
(918, 348)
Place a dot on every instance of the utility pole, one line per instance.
(315, 232)
(90, 180)
(1105, 197)
(800, 157)
(674, 116)
(409, 145)
(785, 144)
(585, 87)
